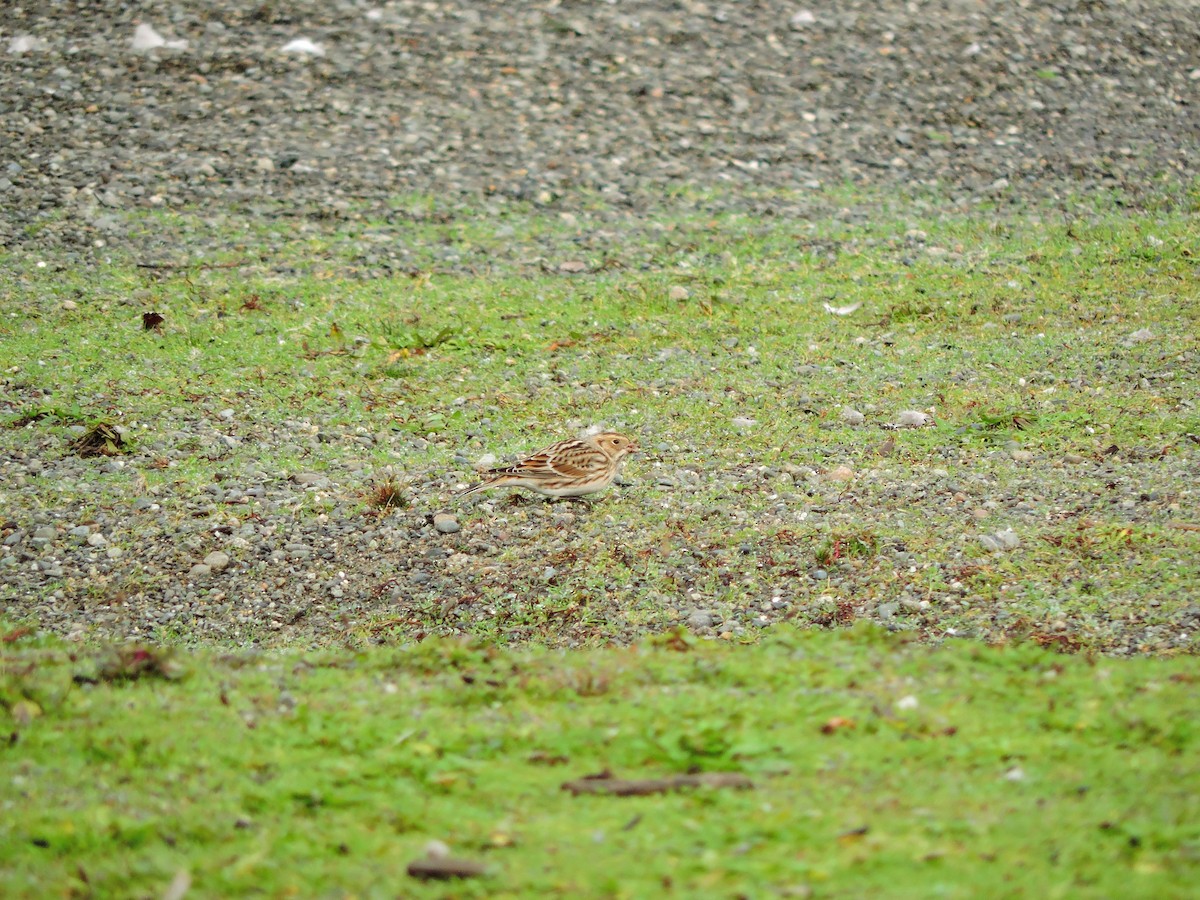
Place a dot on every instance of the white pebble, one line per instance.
(304, 46)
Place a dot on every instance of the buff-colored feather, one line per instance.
(566, 469)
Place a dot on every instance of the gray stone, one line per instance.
(852, 416)
(446, 523)
(217, 561)
(1000, 541)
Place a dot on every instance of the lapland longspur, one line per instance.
(566, 469)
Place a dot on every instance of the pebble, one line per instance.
(1072, 458)
(840, 473)
(446, 523)
(701, 619)
(217, 561)
(914, 418)
(852, 416)
(199, 572)
(678, 292)
(1000, 541)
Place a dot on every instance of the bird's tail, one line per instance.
(475, 488)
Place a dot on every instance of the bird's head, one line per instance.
(615, 445)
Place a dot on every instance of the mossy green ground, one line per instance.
(1057, 334)
(880, 768)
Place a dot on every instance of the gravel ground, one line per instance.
(560, 102)
(557, 104)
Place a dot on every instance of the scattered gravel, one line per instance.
(325, 111)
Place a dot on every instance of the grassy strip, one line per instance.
(880, 767)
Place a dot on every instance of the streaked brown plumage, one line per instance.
(566, 469)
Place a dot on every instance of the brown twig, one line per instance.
(605, 783)
(168, 265)
(445, 868)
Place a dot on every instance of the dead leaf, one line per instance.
(837, 723)
(179, 886)
(445, 868)
(101, 439)
(853, 835)
(24, 712)
(605, 783)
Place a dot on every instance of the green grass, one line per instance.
(880, 768)
(1016, 330)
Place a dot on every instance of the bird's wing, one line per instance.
(566, 459)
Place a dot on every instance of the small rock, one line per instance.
(1021, 455)
(96, 540)
(743, 422)
(146, 38)
(446, 523)
(701, 619)
(678, 292)
(217, 561)
(1139, 337)
(914, 418)
(852, 416)
(25, 43)
(840, 473)
(199, 571)
(1072, 458)
(303, 46)
(1000, 541)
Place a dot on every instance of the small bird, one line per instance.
(566, 469)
